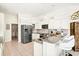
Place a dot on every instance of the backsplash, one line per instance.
(65, 31)
(40, 31)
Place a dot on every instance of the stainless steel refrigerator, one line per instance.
(26, 33)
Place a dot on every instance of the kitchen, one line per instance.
(44, 28)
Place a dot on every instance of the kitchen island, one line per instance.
(45, 47)
(50, 40)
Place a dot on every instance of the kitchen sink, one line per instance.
(40, 39)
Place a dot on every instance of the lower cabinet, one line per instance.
(46, 49)
(50, 49)
(38, 49)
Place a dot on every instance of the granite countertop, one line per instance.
(38, 40)
(44, 40)
(49, 39)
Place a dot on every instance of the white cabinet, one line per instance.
(44, 49)
(50, 49)
(38, 26)
(37, 49)
(35, 36)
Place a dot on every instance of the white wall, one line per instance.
(24, 19)
(9, 19)
(59, 18)
(1, 24)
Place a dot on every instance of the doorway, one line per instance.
(14, 32)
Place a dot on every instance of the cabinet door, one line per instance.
(44, 48)
(38, 26)
(52, 50)
(37, 49)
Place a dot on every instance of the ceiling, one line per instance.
(35, 9)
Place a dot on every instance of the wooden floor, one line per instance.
(14, 48)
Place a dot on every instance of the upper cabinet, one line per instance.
(38, 26)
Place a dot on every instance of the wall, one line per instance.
(24, 19)
(1, 24)
(59, 18)
(9, 19)
(58, 21)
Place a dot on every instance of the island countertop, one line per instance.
(52, 40)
